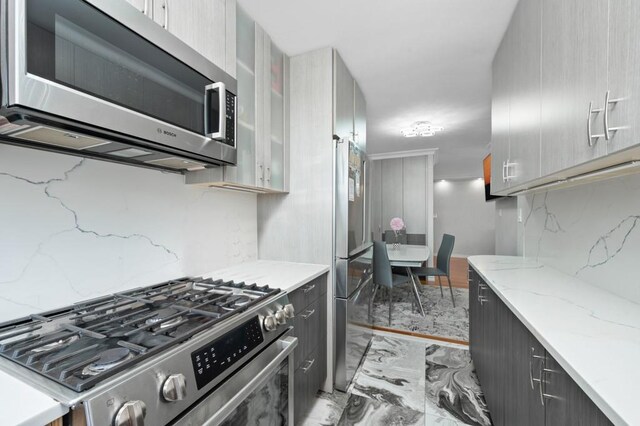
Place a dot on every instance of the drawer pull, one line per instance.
(534, 356)
(308, 366)
(308, 313)
(309, 288)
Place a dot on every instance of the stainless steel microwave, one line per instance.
(98, 78)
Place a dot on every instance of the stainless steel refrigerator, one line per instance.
(353, 261)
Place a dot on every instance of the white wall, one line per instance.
(461, 211)
(73, 229)
(590, 231)
(506, 226)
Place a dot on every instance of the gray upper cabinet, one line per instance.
(500, 117)
(566, 79)
(208, 26)
(524, 41)
(623, 108)
(574, 70)
(263, 111)
(343, 102)
(144, 6)
(262, 115)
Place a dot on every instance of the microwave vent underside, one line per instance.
(50, 136)
(79, 142)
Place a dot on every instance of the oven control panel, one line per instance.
(212, 359)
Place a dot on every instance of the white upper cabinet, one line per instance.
(144, 6)
(199, 23)
(623, 109)
(500, 117)
(574, 75)
(208, 26)
(568, 73)
(524, 97)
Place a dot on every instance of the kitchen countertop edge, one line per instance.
(23, 405)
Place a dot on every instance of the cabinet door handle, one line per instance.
(531, 358)
(504, 168)
(308, 366)
(165, 6)
(591, 137)
(543, 384)
(508, 175)
(145, 7)
(268, 174)
(261, 172)
(607, 102)
(308, 313)
(309, 288)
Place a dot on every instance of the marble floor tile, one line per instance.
(441, 317)
(392, 373)
(393, 352)
(452, 387)
(327, 409)
(370, 412)
(433, 420)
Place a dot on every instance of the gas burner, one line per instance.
(242, 300)
(58, 343)
(162, 315)
(108, 359)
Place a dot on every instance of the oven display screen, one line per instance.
(211, 360)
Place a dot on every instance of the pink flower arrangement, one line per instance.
(397, 224)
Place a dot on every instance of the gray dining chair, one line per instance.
(382, 275)
(443, 265)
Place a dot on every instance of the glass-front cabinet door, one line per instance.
(262, 109)
(245, 171)
(277, 136)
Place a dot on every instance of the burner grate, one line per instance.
(65, 345)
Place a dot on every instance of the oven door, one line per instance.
(104, 64)
(260, 390)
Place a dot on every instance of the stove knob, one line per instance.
(270, 323)
(281, 316)
(288, 310)
(174, 388)
(132, 413)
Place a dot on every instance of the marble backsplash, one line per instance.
(73, 229)
(590, 231)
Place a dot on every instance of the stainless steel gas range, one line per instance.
(184, 352)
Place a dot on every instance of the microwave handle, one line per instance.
(221, 134)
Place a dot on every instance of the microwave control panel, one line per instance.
(231, 119)
(213, 359)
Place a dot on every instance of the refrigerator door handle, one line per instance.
(364, 201)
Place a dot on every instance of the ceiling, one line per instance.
(414, 60)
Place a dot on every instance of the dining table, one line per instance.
(409, 256)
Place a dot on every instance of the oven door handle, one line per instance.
(288, 345)
(221, 134)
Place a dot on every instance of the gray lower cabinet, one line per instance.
(522, 383)
(310, 327)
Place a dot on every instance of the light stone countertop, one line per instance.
(287, 276)
(22, 405)
(593, 334)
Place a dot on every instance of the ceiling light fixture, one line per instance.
(421, 128)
